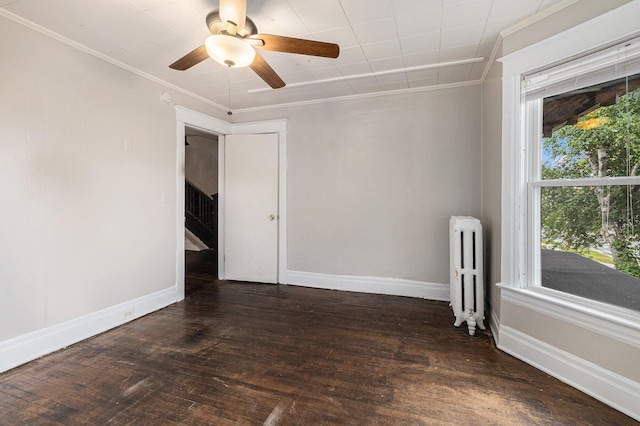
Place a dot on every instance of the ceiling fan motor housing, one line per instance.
(217, 26)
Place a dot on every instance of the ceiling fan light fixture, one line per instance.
(229, 50)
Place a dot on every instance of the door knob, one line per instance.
(272, 216)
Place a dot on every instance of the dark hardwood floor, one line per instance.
(240, 353)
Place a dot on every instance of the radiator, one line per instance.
(467, 284)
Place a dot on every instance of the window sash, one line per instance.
(532, 135)
(604, 181)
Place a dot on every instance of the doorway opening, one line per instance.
(201, 204)
(201, 190)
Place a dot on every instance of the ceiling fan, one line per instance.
(235, 38)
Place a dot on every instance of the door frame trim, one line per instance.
(195, 119)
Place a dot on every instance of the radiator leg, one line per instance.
(471, 322)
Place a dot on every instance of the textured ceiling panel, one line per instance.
(386, 45)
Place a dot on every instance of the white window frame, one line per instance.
(563, 79)
(518, 271)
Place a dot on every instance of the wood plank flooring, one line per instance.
(241, 353)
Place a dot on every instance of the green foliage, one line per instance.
(627, 257)
(570, 217)
(618, 133)
(574, 217)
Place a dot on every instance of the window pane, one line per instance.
(592, 132)
(590, 242)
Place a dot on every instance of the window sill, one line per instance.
(611, 321)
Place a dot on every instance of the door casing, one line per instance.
(191, 118)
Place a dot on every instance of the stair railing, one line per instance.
(201, 214)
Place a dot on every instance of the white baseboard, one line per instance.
(611, 388)
(494, 326)
(390, 286)
(30, 346)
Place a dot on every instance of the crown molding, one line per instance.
(544, 13)
(81, 47)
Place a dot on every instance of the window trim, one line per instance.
(532, 150)
(616, 322)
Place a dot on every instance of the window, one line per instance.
(582, 127)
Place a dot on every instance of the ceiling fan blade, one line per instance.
(297, 45)
(264, 70)
(192, 58)
(234, 11)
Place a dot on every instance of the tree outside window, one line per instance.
(601, 222)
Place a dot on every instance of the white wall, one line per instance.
(87, 185)
(491, 180)
(372, 182)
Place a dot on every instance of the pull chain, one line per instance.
(627, 140)
(229, 85)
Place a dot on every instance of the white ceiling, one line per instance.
(386, 45)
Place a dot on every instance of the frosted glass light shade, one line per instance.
(229, 50)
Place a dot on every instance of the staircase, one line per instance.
(201, 213)
(193, 243)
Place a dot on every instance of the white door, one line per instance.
(251, 208)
